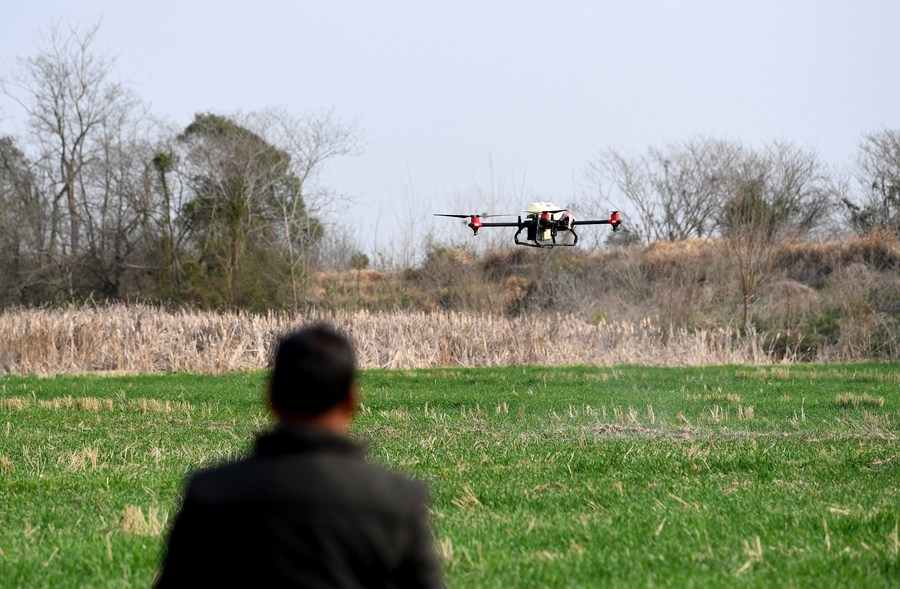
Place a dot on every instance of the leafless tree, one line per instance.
(781, 192)
(877, 201)
(749, 230)
(22, 227)
(799, 186)
(675, 192)
(69, 96)
(310, 142)
(714, 188)
(118, 198)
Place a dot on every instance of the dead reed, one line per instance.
(138, 338)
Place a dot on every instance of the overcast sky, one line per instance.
(506, 99)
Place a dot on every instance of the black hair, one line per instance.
(315, 368)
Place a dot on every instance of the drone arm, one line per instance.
(502, 225)
(592, 222)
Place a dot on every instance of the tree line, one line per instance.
(709, 187)
(98, 198)
(101, 199)
(750, 200)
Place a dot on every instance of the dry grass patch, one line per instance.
(67, 402)
(857, 400)
(134, 521)
(83, 460)
(399, 414)
(546, 488)
(157, 406)
(720, 397)
(15, 403)
(468, 498)
(753, 552)
(875, 420)
(790, 373)
(80, 403)
(445, 549)
(886, 377)
(602, 376)
(96, 404)
(57, 403)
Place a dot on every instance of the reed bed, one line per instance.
(138, 338)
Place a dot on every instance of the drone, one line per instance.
(542, 223)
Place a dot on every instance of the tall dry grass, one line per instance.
(137, 338)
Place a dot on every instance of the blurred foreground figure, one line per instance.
(305, 509)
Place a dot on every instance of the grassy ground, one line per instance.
(541, 477)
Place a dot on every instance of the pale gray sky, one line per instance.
(506, 97)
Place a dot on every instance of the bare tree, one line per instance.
(799, 187)
(117, 200)
(675, 191)
(776, 194)
(679, 191)
(877, 203)
(309, 141)
(22, 228)
(749, 230)
(68, 94)
(709, 188)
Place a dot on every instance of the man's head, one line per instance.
(314, 376)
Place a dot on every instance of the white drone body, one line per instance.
(555, 213)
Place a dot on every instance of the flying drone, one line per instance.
(542, 223)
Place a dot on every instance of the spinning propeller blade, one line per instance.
(482, 215)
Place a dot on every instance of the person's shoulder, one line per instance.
(377, 488)
(211, 482)
(349, 480)
(394, 483)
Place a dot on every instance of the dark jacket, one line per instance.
(306, 509)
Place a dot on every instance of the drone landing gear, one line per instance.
(535, 243)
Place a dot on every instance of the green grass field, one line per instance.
(540, 477)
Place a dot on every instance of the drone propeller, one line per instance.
(483, 216)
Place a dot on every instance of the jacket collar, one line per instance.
(291, 439)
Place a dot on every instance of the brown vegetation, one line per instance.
(832, 300)
(665, 304)
(857, 399)
(141, 338)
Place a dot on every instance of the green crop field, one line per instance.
(540, 477)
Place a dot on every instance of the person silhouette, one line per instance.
(305, 508)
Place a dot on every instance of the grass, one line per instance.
(540, 477)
